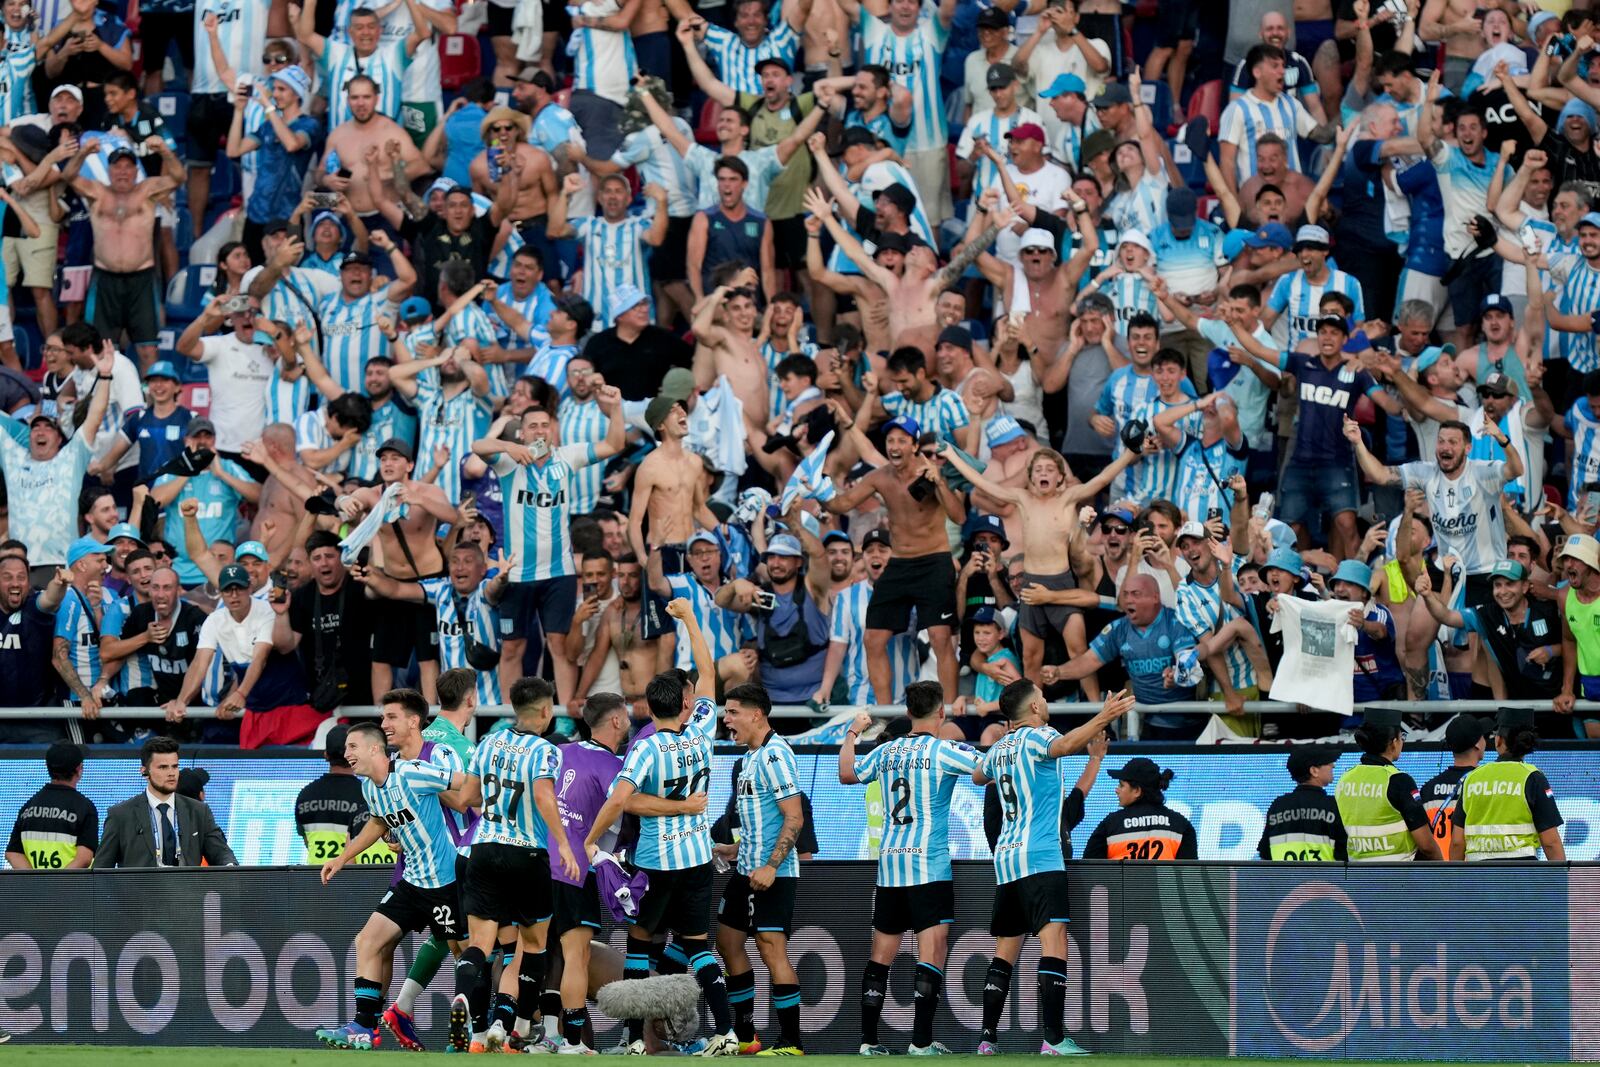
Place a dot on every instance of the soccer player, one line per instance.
(1030, 873)
(674, 851)
(758, 900)
(402, 798)
(511, 779)
(915, 890)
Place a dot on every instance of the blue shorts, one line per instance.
(1306, 494)
(549, 603)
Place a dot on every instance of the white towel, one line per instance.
(359, 538)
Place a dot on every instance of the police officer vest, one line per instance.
(1499, 820)
(324, 841)
(1377, 832)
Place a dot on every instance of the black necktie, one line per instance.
(169, 837)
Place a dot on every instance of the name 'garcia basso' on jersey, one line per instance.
(508, 762)
(674, 765)
(918, 774)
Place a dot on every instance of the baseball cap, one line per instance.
(1181, 206)
(1097, 142)
(1355, 572)
(1339, 322)
(1272, 235)
(1508, 568)
(1027, 131)
(1304, 757)
(959, 336)
(1233, 244)
(1497, 302)
(198, 425)
(835, 535)
(774, 61)
(890, 242)
(1113, 94)
(983, 613)
(443, 185)
(1138, 771)
(399, 446)
(355, 259)
(1064, 83)
(1002, 430)
(333, 745)
(85, 547)
(251, 548)
(1192, 529)
(233, 576)
(191, 780)
(992, 18)
(859, 135)
(526, 74)
(898, 195)
(275, 226)
(71, 90)
(1309, 236)
(1497, 384)
(785, 545)
(1591, 219)
(1136, 237)
(1000, 75)
(415, 309)
(162, 368)
(878, 536)
(905, 424)
(1285, 559)
(1431, 355)
(1037, 238)
(122, 151)
(1463, 732)
(980, 523)
(677, 383)
(1122, 514)
(1508, 719)
(124, 529)
(625, 298)
(704, 537)
(1584, 549)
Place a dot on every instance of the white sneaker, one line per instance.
(580, 1049)
(636, 1048)
(722, 1045)
(494, 1039)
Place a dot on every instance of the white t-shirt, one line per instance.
(126, 395)
(240, 373)
(236, 641)
(1049, 61)
(1043, 189)
(420, 82)
(1466, 510)
(1319, 654)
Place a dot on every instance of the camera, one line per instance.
(764, 600)
(539, 449)
(326, 201)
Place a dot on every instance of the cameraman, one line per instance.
(792, 611)
(330, 621)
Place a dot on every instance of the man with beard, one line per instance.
(1522, 634)
(349, 317)
(163, 632)
(724, 628)
(1210, 606)
(339, 621)
(841, 558)
(1463, 497)
(1049, 510)
(27, 623)
(638, 659)
(791, 635)
(392, 414)
(352, 135)
(1273, 171)
(451, 393)
(613, 242)
(847, 644)
(921, 575)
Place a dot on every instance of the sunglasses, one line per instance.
(1117, 531)
(503, 126)
(271, 59)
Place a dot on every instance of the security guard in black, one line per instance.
(1303, 824)
(58, 827)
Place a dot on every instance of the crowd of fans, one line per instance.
(943, 341)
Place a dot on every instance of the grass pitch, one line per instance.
(20, 1053)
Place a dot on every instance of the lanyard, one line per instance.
(177, 838)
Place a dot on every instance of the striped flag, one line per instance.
(808, 479)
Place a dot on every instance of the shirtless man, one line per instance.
(724, 330)
(1049, 510)
(871, 303)
(367, 128)
(1272, 168)
(1041, 298)
(669, 489)
(284, 493)
(125, 289)
(505, 131)
(405, 628)
(1459, 24)
(638, 659)
(982, 388)
(921, 573)
(913, 290)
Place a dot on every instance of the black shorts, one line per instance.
(435, 910)
(210, 115)
(544, 606)
(898, 908)
(128, 300)
(677, 901)
(160, 29)
(1029, 904)
(508, 883)
(556, 19)
(757, 911)
(1177, 21)
(402, 629)
(576, 906)
(500, 20)
(789, 243)
(926, 583)
(668, 262)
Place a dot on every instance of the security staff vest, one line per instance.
(1498, 817)
(1377, 832)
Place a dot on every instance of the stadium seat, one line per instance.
(174, 111)
(196, 396)
(190, 291)
(1206, 102)
(460, 61)
(27, 348)
(1192, 168)
(705, 131)
(1159, 98)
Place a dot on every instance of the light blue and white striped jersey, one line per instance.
(136, 672)
(735, 62)
(1028, 780)
(472, 323)
(311, 432)
(1467, 522)
(1562, 254)
(537, 510)
(1300, 299)
(848, 627)
(1200, 608)
(386, 66)
(296, 298)
(1126, 393)
(1464, 187)
(536, 307)
(1143, 207)
(584, 424)
(1201, 469)
(724, 629)
(674, 765)
(395, 417)
(350, 336)
(1065, 140)
(992, 128)
(603, 62)
(16, 77)
(882, 127)
(918, 773)
(767, 776)
(660, 163)
(913, 60)
(242, 31)
(943, 413)
(1249, 117)
(82, 633)
(255, 117)
(1585, 427)
(508, 762)
(482, 622)
(1155, 477)
(876, 178)
(450, 422)
(1580, 296)
(1131, 295)
(408, 804)
(762, 163)
(499, 267)
(613, 256)
(286, 400)
(549, 363)
(554, 126)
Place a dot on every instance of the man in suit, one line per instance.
(160, 827)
